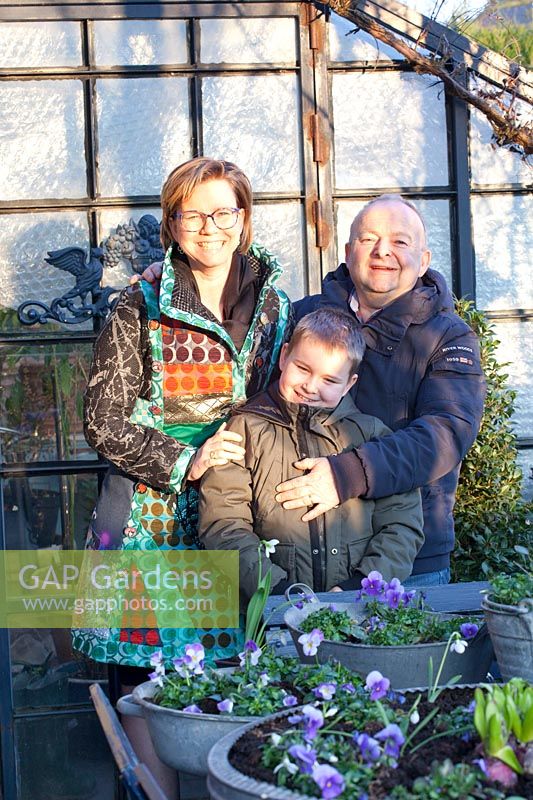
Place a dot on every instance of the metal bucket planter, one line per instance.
(181, 740)
(224, 782)
(511, 631)
(404, 665)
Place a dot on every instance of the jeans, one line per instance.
(437, 578)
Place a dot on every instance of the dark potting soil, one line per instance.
(245, 756)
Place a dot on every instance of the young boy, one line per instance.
(307, 413)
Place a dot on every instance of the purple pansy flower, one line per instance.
(156, 678)
(349, 688)
(377, 685)
(394, 593)
(325, 691)
(194, 658)
(311, 641)
(305, 755)
(468, 630)
(225, 705)
(329, 780)
(369, 747)
(251, 651)
(373, 584)
(393, 738)
(289, 701)
(408, 596)
(313, 719)
(194, 709)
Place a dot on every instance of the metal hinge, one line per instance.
(320, 142)
(322, 230)
(313, 18)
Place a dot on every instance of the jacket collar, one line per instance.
(385, 330)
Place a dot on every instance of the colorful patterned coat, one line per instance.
(164, 366)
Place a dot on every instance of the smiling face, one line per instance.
(209, 248)
(313, 374)
(386, 254)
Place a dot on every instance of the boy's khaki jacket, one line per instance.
(237, 505)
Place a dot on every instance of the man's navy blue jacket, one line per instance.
(422, 377)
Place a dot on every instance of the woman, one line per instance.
(169, 365)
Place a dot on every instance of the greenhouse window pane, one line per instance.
(489, 163)
(140, 244)
(53, 44)
(24, 242)
(390, 130)
(503, 261)
(63, 756)
(248, 41)
(42, 140)
(280, 228)
(516, 352)
(47, 671)
(143, 129)
(525, 462)
(140, 42)
(436, 214)
(41, 404)
(347, 43)
(265, 146)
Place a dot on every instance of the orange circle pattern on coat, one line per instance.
(194, 364)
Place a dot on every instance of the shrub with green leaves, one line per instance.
(511, 591)
(491, 517)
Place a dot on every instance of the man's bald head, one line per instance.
(390, 198)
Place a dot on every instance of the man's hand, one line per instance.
(316, 489)
(152, 273)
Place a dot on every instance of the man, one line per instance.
(420, 375)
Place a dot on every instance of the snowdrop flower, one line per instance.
(264, 679)
(377, 685)
(311, 641)
(275, 738)
(225, 705)
(331, 711)
(270, 546)
(458, 646)
(329, 781)
(287, 764)
(415, 717)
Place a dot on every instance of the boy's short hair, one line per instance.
(334, 328)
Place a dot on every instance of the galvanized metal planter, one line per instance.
(405, 665)
(511, 631)
(181, 740)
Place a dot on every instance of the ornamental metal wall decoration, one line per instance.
(136, 243)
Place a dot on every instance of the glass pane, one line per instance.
(269, 152)
(140, 42)
(53, 44)
(47, 671)
(41, 404)
(401, 143)
(143, 129)
(63, 756)
(503, 269)
(525, 462)
(436, 214)
(489, 163)
(32, 509)
(248, 41)
(138, 245)
(25, 240)
(280, 228)
(516, 352)
(346, 45)
(43, 149)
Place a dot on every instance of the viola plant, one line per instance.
(371, 743)
(391, 616)
(260, 684)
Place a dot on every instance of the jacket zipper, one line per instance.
(316, 526)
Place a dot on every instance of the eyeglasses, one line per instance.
(194, 221)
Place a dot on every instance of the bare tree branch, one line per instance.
(498, 105)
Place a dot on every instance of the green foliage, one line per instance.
(383, 625)
(511, 590)
(503, 716)
(448, 781)
(513, 41)
(491, 518)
